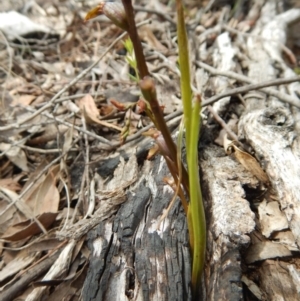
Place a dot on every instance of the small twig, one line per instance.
(254, 86)
(68, 202)
(79, 129)
(166, 62)
(209, 5)
(156, 12)
(85, 179)
(10, 60)
(91, 205)
(23, 282)
(76, 96)
(15, 144)
(172, 118)
(45, 151)
(81, 194)
(281, 45)
(87, 161)
(223, 124)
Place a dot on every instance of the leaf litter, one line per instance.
(44, 141)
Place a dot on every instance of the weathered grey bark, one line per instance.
(271, 128)
(229, 221)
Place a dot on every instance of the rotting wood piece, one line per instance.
(276, 282)
(131, 259)
(271, 128)
(229, 220)
(271, 133)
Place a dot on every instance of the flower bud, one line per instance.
(112, 10)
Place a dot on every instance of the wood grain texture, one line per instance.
(132, 260)
(230, 221)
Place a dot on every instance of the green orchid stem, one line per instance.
(196, 208)
(196, 215)
(184, 64)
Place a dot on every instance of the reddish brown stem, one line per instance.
(132, 31)
(148, 88)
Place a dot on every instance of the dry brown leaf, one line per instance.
(253, 287)
(45, 198)
(44, 244)
(34, 179)
(75, 262)
(12, 197)
(91, 113)
(68, 140)
(286, 238)
(23, 100)
(6, 168)
(20, 261)
(265, 250)
(251, 164)
(29, 228)
(11, 183)
(271, 218)
(33, 125)
(8, 218)
(246, 160)
(107, 110)
(16, 155)
(11, 216)
(49, 133)
(147, 35)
